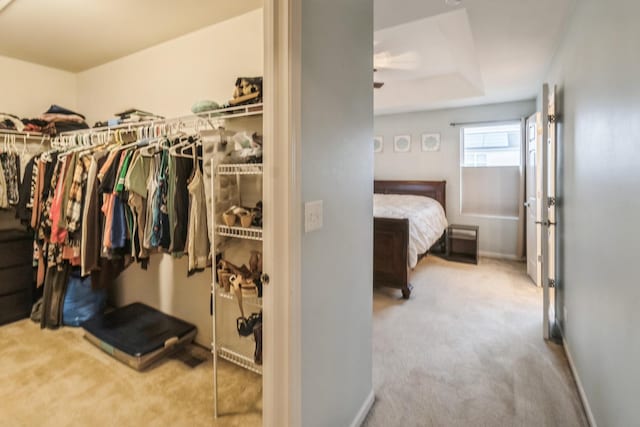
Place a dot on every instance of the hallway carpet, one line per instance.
(57, 378)
(467, 350)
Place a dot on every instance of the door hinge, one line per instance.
(554, 118)
(551, 201)
(552, 283)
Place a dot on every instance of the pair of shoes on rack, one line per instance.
(231, 215)
(257, 336)
(246, 325)
(246, 285)
(225, 271)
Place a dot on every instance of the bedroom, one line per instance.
(455, 140)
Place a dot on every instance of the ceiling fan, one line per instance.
(407, 61)
(377, 85)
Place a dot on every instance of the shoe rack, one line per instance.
(235, 184)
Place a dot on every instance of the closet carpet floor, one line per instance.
(57, 378)
(467, 350)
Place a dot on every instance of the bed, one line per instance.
(395, 250)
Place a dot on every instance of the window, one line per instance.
(490, 170)
(491, 145)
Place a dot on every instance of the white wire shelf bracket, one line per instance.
(238, 359)
(240, 169)
(249, 233)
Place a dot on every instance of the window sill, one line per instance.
(485, 216)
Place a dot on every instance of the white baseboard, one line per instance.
(581, 392)
(364, 410)
(497, 255)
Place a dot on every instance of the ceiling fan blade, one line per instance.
(404, 61)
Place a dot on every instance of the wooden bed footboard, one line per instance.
(390, 254)
(391, 236)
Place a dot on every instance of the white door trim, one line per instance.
(282, 215)
(548, 210)
(545, 215)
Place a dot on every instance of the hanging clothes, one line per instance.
(100, 207)
(76, 196)
(92, 220)
(109, 208)
(163, 188)
(45, 217)
(212, 143)
(25, 204)
(171, 194)
(197, 239)
(119, 226)
(11, 170)
(89, 232)
(4, 199)
(151, 230)
(58, 230)
(136, 183)
(183, 171)
(157, 233)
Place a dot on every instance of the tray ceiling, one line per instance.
(431, 55)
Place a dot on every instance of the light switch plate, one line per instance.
(312, 216)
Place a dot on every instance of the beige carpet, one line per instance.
(467, 350)
(56, 378)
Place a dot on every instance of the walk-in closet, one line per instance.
(132, 199)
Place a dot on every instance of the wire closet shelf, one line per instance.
(157, 128)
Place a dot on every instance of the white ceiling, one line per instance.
(484, 51)
(75, 35)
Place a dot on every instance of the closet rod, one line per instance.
(484, 122)
(220, 114)
(28, 135)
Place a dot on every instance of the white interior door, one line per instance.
(548, 222)
(533, 198)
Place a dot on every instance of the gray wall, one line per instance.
(597, 70)
(498, 237)
(337, 167)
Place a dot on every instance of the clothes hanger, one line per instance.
(193, 144)
(154, 147)
(12, 148)
(24, 146)
(186, 148)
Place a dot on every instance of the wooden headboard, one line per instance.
(433, 189)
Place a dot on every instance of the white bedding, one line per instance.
(427, 220)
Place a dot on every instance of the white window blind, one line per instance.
(490, 168)
(491, 145)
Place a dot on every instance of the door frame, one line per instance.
(282, 220)
(548, 219)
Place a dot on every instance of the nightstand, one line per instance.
(462, 243)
